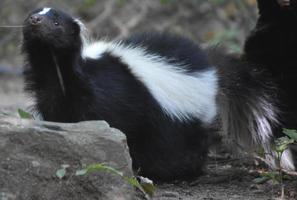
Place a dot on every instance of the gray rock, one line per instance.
(31, 152)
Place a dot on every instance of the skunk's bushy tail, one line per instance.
(248, 110)
(247, 101)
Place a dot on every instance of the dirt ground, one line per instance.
(224, 178)
(227, 179)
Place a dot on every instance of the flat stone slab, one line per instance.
(31, 152)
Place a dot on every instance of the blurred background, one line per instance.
(210, 22)
(207, 22)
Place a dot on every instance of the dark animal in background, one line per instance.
(272, 45)
(161, 90)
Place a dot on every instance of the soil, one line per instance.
(224, 178)
(231, 179)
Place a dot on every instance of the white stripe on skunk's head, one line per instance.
(44, 11)
(54, 28)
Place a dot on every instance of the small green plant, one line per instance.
(291, 134)
(24, 115)
(60, 173)
(145, 185)
(280, 145)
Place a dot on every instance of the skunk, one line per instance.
(273, 46)
(158, 89)
(166, 94)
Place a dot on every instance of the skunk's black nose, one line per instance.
(35, 19)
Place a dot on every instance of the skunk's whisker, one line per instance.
(17, 26)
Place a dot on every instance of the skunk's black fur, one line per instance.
(104, 89)
(247, 102)
(166, 139)
(273, 46)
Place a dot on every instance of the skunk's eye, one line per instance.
(56, 23)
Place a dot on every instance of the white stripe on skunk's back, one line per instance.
(182, 95)
(44, 11)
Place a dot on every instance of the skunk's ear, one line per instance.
(81, 27)
(82, 31)
(76, 28)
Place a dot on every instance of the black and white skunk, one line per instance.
(165, 93)
(158, 89)
(273, 46)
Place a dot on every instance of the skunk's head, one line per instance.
(53, 28)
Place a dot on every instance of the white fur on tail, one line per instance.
(249, 121)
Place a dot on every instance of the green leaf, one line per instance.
(132, 181)
(98, 167)
(281, 144)
(61, 173)
(24, 115)
(147, 185)
(291, 133)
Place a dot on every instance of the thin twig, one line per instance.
(16, 26)
(263, 160)
(291, 173)
(61, 81)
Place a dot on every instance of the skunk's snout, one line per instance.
(35, 19)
